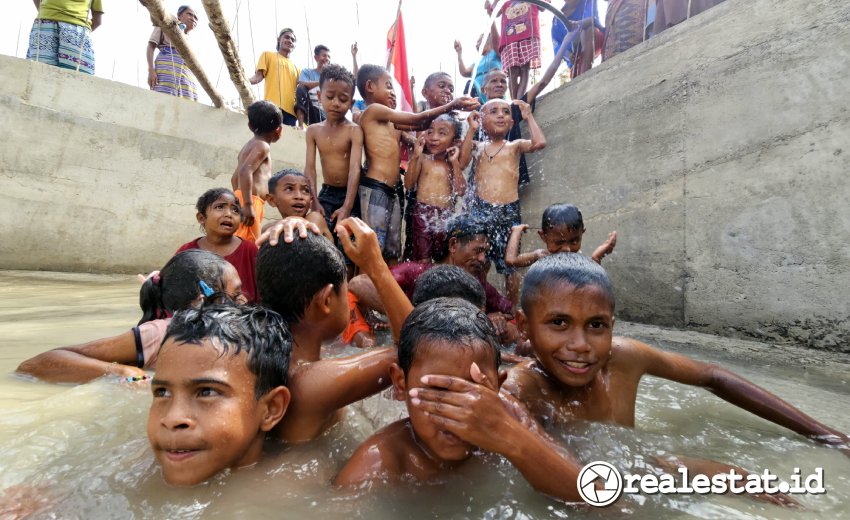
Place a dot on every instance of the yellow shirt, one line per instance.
(281, 77)
(70, 11)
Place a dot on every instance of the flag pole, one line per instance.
(395, 32)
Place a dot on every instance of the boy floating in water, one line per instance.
(582, 372)
(290, 193)
(251, 178)
(219, 388)
(340, 146)
(561, 230)
(382, 126)
(495, 177)
(451, 336)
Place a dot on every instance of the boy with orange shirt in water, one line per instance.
(382, 126)
(251, 178)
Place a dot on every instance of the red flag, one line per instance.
(398, 65)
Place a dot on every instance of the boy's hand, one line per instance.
(354, 49)
(453, 155)
(412, 82)
(466, 104)
(287, 227)
(419, 147)
(458, 48)
(360, 243)
(248, 215)
(524, 108)
(606, 248)
(474, 121)
(341, 214)
(540, 253)
(519, 228)
(499, 322)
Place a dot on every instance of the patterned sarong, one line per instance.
(624, 25)
(173, 77)
(61, 44)
(518, 54)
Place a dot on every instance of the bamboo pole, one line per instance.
(168, 23)
(219, 27)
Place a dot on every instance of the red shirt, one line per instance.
(243, 259)
(407, 273)
(520, 21)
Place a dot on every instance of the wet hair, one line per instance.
(433, 77)
(449, 281)
(212, 195)
(289, 275)
(334, 72)
(274, 179)
(561, 215)
(368, 73)
(319, 48)
(455, 122)
(451, 320)
(464, 228)
(264, 117)
(179, 283)
(260, 332)
(574, 269)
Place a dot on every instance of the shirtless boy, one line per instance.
(304, 280)
(451, 336)
(291, 194)
(437, 179)
(582, 372)
(495, 195)
(251, 178)
(382, 126)
(219, 388)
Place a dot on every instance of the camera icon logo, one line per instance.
(600, 484)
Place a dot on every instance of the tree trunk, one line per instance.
(219, 27)
(168, 23)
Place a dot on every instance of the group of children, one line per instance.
(229, 372)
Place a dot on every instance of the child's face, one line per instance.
(222, 217)
(292, 196)
(496, 86)
(440, 92)
(336, 98)
(496, 118)
(450, 359)
(441, 135)
(570, 330)
(204, 416)
(383, 91)
(562, 239)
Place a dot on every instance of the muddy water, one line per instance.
(81, 452)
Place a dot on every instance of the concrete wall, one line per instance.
(719, 151)
(103, 177)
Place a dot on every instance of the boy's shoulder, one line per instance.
(631, 355)
(379, 457)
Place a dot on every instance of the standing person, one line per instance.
(308, 109)
(624, 26)
(489, 60)
(584, 49)
(519, 42)
(281, 76)
(168, 73)
(61, 34)
(673, 12)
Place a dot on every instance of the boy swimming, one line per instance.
(219, 388)
(382, 126)
(251, 178)
(450, 336)
(290, 193)
(561, 229)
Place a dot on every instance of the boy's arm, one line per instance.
(310, 169)
(415, 166)
(512, 256)
(258, 153)
(354, 69)
(468, 144)
(538, 140)
(316, 218)
(96, 19)
(354, 165)
(456, 174)
(409, 121)
(605, 249)
(465, 71)
(260, 73)
(82, 363)
(361, 246)
(734, 389)
(478, 415)
(151, 70)
(531, 93)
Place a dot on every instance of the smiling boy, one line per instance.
(219, 388)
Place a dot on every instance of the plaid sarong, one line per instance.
(173, 77)
(61, 44)
(523, 52)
